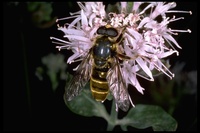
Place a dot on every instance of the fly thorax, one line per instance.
(102, 51)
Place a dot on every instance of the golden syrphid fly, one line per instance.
(101, 67)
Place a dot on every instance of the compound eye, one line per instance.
(111, 32)
(101, 30)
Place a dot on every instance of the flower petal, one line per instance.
(84, 20)
(144, 67)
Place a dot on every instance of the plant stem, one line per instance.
(113, 117)
(26, 74)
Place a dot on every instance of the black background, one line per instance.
(47, 111)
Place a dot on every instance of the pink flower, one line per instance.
(146, 40)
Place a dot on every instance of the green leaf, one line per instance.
(53, 78)
(85, 105)
(32, 6)
(55, 65)
(144, 116)
(113, 8)
(39, 73)
(40, 11)
(129, 6)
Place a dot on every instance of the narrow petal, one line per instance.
(144, 67)
(169, 37)
(135, 83)
(80, 38)
(165, 54)
(91, 19)
(72, 31)
(84, 20)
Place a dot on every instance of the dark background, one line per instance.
(47, 110)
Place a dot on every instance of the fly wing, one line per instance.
(81, 77)
(118, 87)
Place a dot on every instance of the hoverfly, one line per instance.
(101, 67)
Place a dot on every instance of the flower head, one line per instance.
(147, 39)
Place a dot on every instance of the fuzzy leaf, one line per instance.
(85, 105)
(144, 116)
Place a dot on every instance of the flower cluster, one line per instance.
(147, 39)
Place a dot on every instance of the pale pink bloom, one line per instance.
(145, 37)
